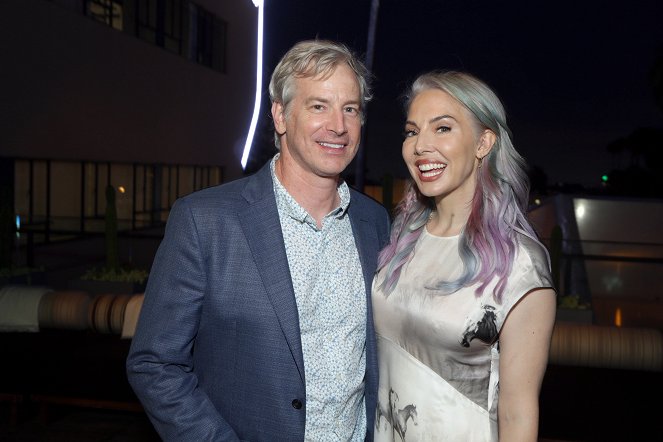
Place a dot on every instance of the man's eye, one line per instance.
(318, 107)
(351, 110)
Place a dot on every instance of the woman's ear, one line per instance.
(486, 143)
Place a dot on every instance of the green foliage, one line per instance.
(572, 302)
(116, 275)
(112, 247)
(21, 275)
(8, 272)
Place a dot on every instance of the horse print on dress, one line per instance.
(396, 418)
(482, 327)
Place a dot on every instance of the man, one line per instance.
(257, 323)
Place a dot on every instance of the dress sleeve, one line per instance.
(531, 271)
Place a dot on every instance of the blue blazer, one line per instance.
(217, 353)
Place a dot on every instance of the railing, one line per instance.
(59, 199)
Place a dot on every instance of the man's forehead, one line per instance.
(314, 73)
(321, 77)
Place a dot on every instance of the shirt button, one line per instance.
(296, 404)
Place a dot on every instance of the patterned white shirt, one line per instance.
(331, 301)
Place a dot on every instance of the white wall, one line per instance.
(72, 88)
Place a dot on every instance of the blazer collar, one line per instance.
(262, 230)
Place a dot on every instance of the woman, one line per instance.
(463, 300)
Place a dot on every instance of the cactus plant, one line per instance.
(112, 272)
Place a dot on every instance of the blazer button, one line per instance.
(296, 404)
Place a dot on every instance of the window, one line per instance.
(160, 22)
(207, 38)
(179, 26)
(108, 12)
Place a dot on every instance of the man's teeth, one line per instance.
(332, 145)
(431, 169)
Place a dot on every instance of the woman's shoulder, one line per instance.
(531, 253)
(530, 271)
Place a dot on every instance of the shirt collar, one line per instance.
(292, 207)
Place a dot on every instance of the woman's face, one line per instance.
(441, 145)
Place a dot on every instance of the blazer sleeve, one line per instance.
(159, 364)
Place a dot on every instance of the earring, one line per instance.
(480, 162)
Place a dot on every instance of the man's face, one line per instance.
(321, 129)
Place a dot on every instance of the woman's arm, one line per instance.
(524, 345)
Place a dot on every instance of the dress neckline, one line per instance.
(442, 238)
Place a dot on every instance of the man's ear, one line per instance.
(486, 143)
(278, 115)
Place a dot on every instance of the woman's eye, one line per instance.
(443, 129)
(409, 133)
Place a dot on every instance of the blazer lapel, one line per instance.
(262, 229)
(367, 243)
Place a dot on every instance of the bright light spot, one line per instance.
(604, 178)
(580, 211)
(618, 317)
(260, 4)
(537, 201)
(121, 189)
(18, 222)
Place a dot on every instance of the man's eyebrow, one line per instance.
(320, 99)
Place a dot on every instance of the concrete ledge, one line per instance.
(585, 345)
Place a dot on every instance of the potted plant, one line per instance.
(113, 277)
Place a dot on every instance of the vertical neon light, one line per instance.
(260, 4)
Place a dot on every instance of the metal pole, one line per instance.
(360, 163)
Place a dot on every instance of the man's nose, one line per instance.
(336, 122)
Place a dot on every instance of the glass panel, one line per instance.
(90, 189)
(122, 180)
(22, 189)
(105, 11)
(186, 180)
(39, 191)
(65, 195)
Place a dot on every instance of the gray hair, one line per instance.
(489, 241)
(505, 164)
(313, 58)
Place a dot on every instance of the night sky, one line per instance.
(574, 76)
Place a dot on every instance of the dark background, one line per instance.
(575, 77)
